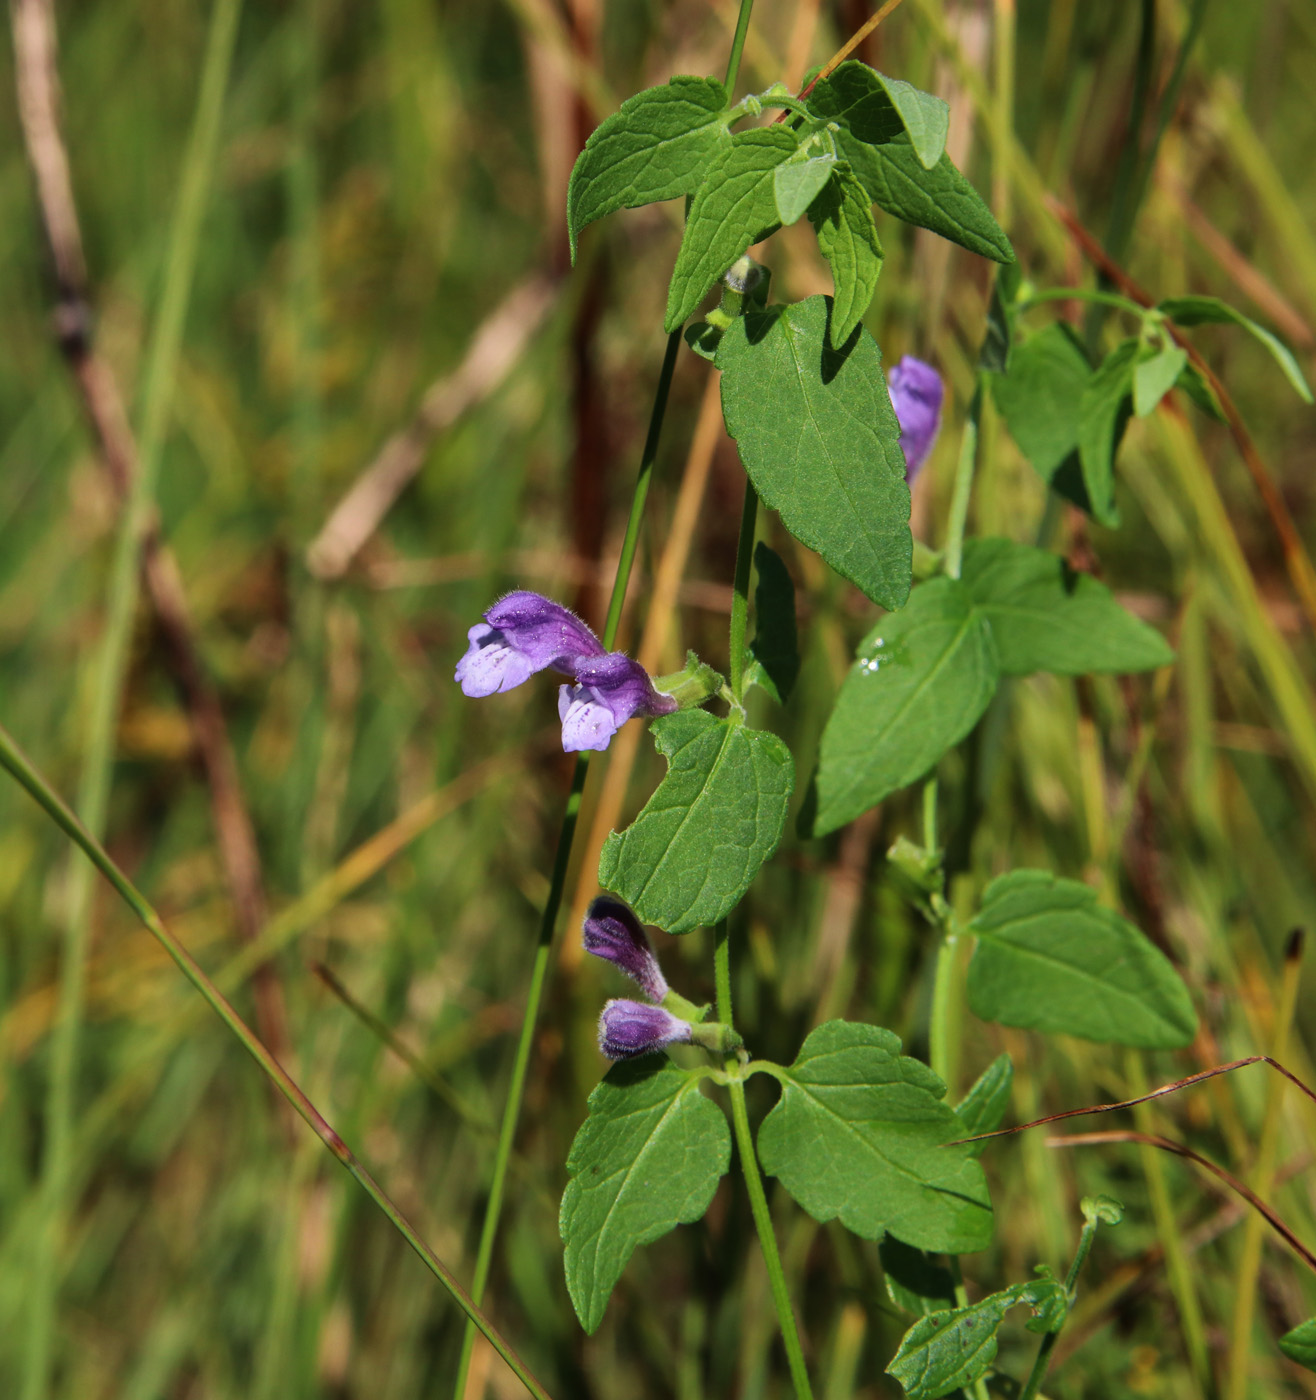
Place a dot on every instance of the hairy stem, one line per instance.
(959, 502)
(13, 759)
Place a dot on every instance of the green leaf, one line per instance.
(1300, 1344)
(947, 1350)
(877, 109)
(983, 1107)
(842, 217)
(656, 147)
(820, 441)
(1050, 958)
(1198, 388)
(1046, 617)
(648, 1158)
(1154, 378)
(735, 206)
(775, 647)
(922, 679)
(1038, 396)
(914, 1281)
(712, 821)
(998, 341)
(860, 1134)
(798, 182)
(1103, 410)
(1198, 311)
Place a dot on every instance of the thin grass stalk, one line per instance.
(1263, 1180)
(110, 673)
(17, 764)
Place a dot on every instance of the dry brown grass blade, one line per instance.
(37, 81)
(1296, 559)
(1182, 1150)
(495, 348)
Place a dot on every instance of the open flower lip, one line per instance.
(609, 690)
(523, 633)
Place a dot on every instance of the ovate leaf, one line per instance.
(860, 1134)
(820, 441)
(734, 207)
(712, 821)
(876, 109)
(1198, 311)
(775, 649)
(983, 1107)
(648, 1158)
(798, 182)
(1103, 411)
(1155, 376)
(922, 679)
(940, 199)
(656, 147)
(1039, 397)
(914, 1280)
(1300, 1344)
(1046, 617)
(950, 1349)
(842, 218)
(1050, 958)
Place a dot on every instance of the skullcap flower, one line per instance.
(630, 1028)
(609, 690)
(612, 932)
(521, 634)
(916, 391)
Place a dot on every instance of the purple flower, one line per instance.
(916, 391)
(609, 690)
(612, 931)
(521, 634)
(628, 1028)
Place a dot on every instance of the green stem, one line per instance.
(959, 501)
(548, 924)
(740, 591)
(738, 45)
(111, 668)
(758, 1201)
(13, 759)
(1083, 294)
(1043, 1359)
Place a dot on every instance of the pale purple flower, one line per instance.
(916, 391)
(609, 690)
(521, 634)
(611, 931)
(629, 1028)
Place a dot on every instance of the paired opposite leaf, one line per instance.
(949, 1350)
(656, 147)
(775, 648)
(842, 218)
(983, 1107)
(1199, 311)
(648, 1158)
(820, 441)
(923, 678)
(861, 1134)
(1103, 411)
(1050, 958)
(735, 206)
(1046, 617)
(877, 109)
(798, 182)
(1155, 376)
(914, 1281)
(714, 819)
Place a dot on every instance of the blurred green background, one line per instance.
(382, 178)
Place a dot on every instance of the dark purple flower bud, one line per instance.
(609, 690)
(629, 1028)
(612, 931)
(521, 634)
(916, 391)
